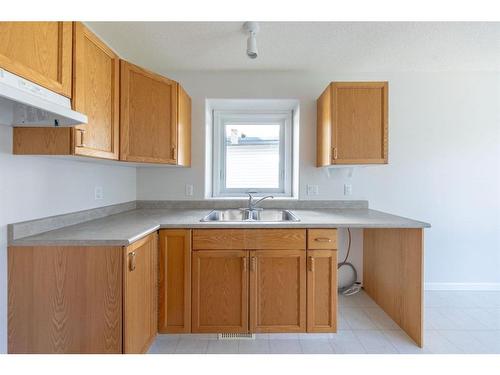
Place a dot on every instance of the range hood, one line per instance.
(24, 103)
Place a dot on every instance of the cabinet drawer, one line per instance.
(249, 239)
(322, 239)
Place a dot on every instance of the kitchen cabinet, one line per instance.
(174, 315)
(322, 280)
(82, 299)
(220, 291)
(140, 296)
(38, 51)
(277, 291)
(95, 93)
(155, 117)
(352, 124)
(249, 280)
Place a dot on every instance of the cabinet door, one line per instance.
(140, 285)
(220, 291)
(359, 122)
(39, 52)
(95, 93)
(278, 291)
(175, 281)
(183, 149)
(65, 299)
(148, 111)
(321, 291)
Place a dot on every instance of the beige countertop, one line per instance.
(124, 228)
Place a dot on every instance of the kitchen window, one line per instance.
(252, 152)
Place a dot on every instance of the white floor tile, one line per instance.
(403, 343)
(345, 342)
(315, 336)
(356, 318)
(285, 347)
(317, 346)
(375, 342)
(436, 343)
(191, 346)
(162, 346)
(466, 342)
(380, 318)
(490, 339)
(222, 347)
(254, 346)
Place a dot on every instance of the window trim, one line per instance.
(220, 118)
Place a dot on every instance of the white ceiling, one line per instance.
(308, 46)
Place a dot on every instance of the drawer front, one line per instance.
(218, 239)
(249, 239)
(318, 239)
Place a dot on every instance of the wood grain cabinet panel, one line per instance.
(321, 291)
(277, 291)
(140, 296)
(155, 117)
(65, 300)
(249, 239)
(352, 124)
(220, 291)
(96, 93)
(39, 52)
(175, 281)
(318, 239)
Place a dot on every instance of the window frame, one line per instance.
(258, 117)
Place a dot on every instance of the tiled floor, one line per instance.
(455, 322)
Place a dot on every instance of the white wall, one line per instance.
(34, 187)
(444, 158)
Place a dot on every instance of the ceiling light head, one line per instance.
(252, 28)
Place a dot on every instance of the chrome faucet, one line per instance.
(252, 203)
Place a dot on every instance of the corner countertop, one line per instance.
(124, 228)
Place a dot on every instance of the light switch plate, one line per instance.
(189, 190)
(312, 190)
(347, 189)
(98, 193)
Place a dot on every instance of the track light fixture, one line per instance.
(252, 28)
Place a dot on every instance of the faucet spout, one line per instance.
(252, 203)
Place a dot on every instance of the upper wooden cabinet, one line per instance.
(155, 118)
(352, 125)
(96, 93)
(39, 52)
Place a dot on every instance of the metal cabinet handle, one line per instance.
(334, 153)
(131, 263)
(173, 152)
(323, 239)
(311, 264)
(81, 132)
(253, 264)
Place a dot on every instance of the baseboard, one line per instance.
(462, 286)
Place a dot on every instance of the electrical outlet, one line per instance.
(98, 193)
(189, 190)
(347, 189)
(312, 190)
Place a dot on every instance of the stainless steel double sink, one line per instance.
(242, 214)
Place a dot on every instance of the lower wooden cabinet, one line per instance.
(321, 291)
(220, 291)
(140, 295)
(278, 291)
(77, 299)
(174, 314)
